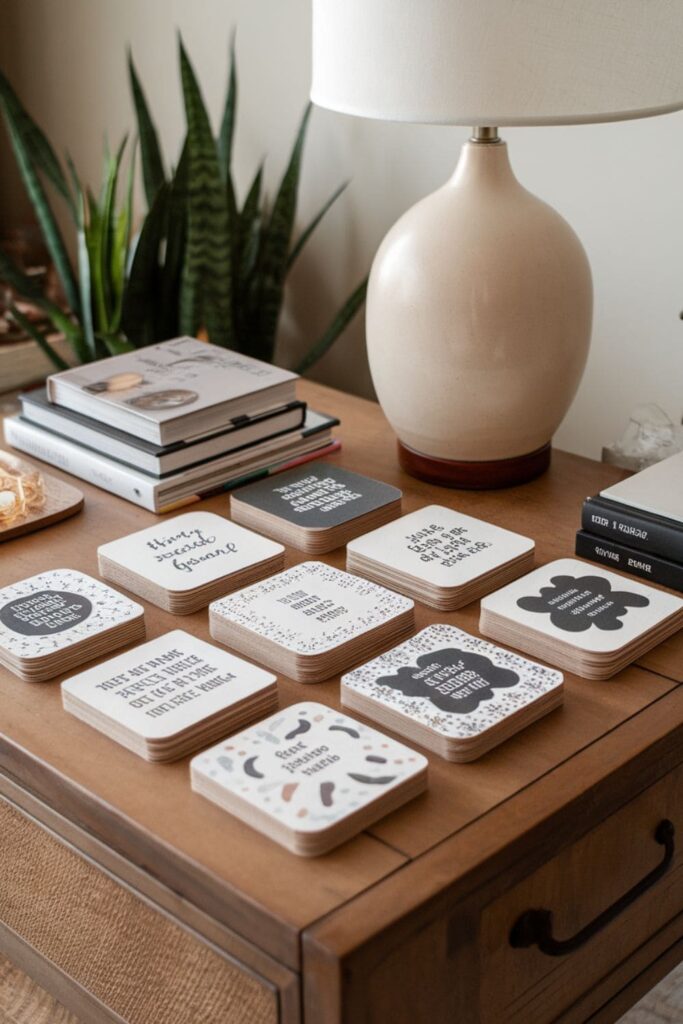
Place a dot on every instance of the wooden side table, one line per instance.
(132, 899)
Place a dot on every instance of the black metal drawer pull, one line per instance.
(535, 927)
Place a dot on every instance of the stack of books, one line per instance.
(169, 424)
(636, 526)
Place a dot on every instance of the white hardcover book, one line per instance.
(81, 462)
(175, 391)
(150, 492)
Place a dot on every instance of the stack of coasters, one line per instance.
(182, 564)
(170, 696)
(452, 692)
(52, 622)
(309, 777)
(311, 621)
(316, 508)
(580, 617)
(441, 557)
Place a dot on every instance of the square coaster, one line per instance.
(311, 620)
(183, 563)
(315, 508)
(58, 619)
(581, 616)
(455, 693)
(309, 777)
(441, 557)
(170, 695)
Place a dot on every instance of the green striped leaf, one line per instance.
(29, 289)
(227, 129)
(25, 157)
(275, 249)
(153, 173)
(37, 144)
(206, 286)
(339, 323)
(39, 338)
(140, 298)
(306, 234)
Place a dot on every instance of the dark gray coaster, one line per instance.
(319, 496)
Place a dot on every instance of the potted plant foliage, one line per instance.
(204, 262)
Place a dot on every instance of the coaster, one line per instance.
(315, 508)
(182, 564)
(309, 777)
(581, 617)
(311, 621)
(59, 619)
(452, 692)
(31, 499)
(170, 696)
(441, 557)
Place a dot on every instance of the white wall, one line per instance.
(620, 186)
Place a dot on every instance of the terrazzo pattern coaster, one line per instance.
(309, 777)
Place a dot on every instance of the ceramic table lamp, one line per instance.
(480, 298)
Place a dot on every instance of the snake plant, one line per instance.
(204, 262)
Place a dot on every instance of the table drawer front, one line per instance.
(135, 960)
(577, 886)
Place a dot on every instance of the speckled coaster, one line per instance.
(309, 777)
(58, 619)
(452, 692)
(311, 621)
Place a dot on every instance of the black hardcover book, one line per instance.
(239, 433)
(624, 524)
(630, 560)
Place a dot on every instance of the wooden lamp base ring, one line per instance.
(475, 475)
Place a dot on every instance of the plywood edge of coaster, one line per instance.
(61, 501)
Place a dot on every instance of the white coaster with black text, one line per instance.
(440, 557)
(315, 508)
(182, 564)
(59, 619)
(581, 617)
(171, 695)
(311, 621)
(309, 777)
(452, 692)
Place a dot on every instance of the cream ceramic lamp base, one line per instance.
(479, 315)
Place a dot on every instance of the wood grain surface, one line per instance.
(471, 813)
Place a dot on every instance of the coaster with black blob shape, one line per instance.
(183, 563)
(440, 556)
(452, 692)
(581, 617)
(315, 508)
(309, 777)
(311, 621)
(170, 696)
(58, 619)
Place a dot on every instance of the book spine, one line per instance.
(629, 528)
(629, 560)
(79, 462)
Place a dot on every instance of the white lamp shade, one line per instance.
(498, 62)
